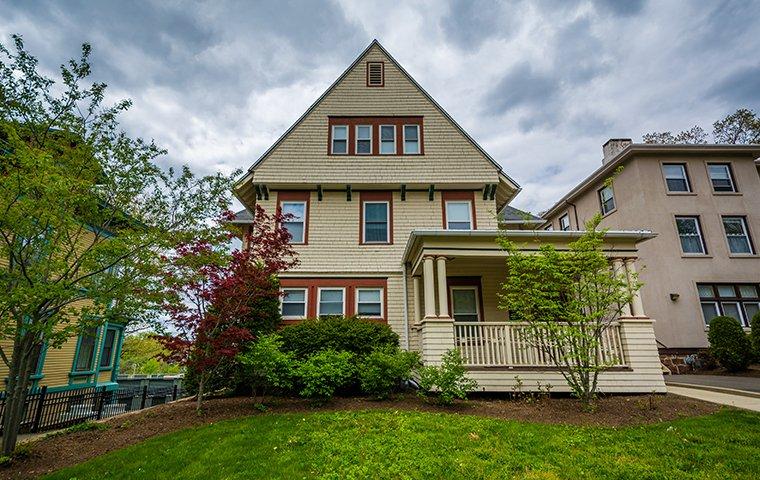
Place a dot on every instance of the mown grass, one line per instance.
(398, 444)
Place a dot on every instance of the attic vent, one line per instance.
(375, 74)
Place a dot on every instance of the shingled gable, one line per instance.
(451, 155)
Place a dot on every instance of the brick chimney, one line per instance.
(613, 146)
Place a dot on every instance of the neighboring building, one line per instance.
(394, 218)
(703, 202)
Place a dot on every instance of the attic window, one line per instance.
(375, 74)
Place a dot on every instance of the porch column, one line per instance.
(429, 287)
(416, 297)
(443, 300)
(619, 268)
(637, 308)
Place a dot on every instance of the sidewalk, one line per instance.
(731, 399)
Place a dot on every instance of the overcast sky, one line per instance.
(540, 85)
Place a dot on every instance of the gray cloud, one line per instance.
(741, 87)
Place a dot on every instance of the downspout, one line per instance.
(406, 311)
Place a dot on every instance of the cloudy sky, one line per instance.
(540, 85)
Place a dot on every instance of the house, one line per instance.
(395, 216)
(704, 203)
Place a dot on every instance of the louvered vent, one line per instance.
(375, 74)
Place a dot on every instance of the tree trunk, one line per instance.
(18, 382)
(199, 401)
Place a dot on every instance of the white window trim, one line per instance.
(356, 140)
(469, 211)
(319, 299)
(332, 139)
(419, 142)
(380, 144)
(305, 303)
(466, 287)
(699, 233)
(567, 216)
(305, 218)
(745, 228)
(601, 200)
(387, 222)
(685, 178)
(382, 301)
(730, 172)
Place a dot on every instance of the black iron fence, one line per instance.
(45, 410)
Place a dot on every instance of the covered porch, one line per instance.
(456, 278)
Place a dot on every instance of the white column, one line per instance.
(429, 288)
(619, 268)
(637, 308)
(443, 298)
(416, 297)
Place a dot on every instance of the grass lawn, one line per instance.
(399, 444)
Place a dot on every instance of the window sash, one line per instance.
(676, 179)
(411, 139)
(607, 199)
(739, 301)
(331, 306)
(364, 141)
(465, 309)
(691, 241)
(376, 229)
(387, 144)
(109, 342)
(292, 307)
(86, 353)
(721, 178)
(368, 307)
(564, 222)
(296, 225)
(339, 140)
(455, 218)
(737, 235)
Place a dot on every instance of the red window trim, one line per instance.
(465, 282)
(350, 284)
(382, 74)
(453, 195)
(375, 122)
(370, 197)
(297, 196)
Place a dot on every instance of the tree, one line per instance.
(141, 354)
(84, 214)
(568, 300)
(694, 135)
(740, 127)
(211, 295)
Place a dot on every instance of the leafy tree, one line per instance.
(84, 214)
(568, 300)
(694, 135)
(141, 354)
(740, 127)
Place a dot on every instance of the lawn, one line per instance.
(402, 444)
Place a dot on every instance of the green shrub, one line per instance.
(754, 336)
(87, 426)
(265, 366)
(324, 372)
(449, 379)
(342, 334)
(729, 344)
(383, 371)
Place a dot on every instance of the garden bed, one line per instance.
(62, 450)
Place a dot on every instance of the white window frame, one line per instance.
(685, 178)
(419, 141)
(730, 173)
(561, 227)
(612, 197)
(382, 301)
(305, 204)
(469, 212)
(319, 300)
(387, 222)
(356, 139)
(332, 140)
(745, 229)
(305, 303)
(380, 132)
(474, 288)
(699, 234)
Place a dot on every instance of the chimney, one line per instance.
(613, 146)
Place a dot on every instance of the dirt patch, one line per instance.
(55, 452)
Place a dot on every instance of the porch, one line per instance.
(455, 280)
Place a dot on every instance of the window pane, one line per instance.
(410, 132)
(339, 146)
(709, 311)
(297, 210)
(463, 301)
(293, 310)
(375, 232)
(340, 133)
(726, 291)
(720, 176)
(330, 308)
(331, 295)
(688, 231)
(105, 358)
(675, 178)
(370, 309)
(363, 132)
(86, 351)
(751, 310)
(296, 231)
(731, 309)
(736, 234)
(687, 226)
(387, 133)
(376, 212)
(564, 223)
(369, 303)
(369, 295)
(705, 291)
(294, 296)
(458, 215)
(748, 291)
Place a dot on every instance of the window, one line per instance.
(549, 228)
(364, 140)
(295, 224)
(86, 352)
(607, 199)
(109, 344)
(721, 177)
(737, 235)
(411, 139)
(331, 301)
(740, 301)
(375, 74)
(459, 215)
(464, 304)
(387, 139)
(564, 222)
(293, 304)
(375, 216)
(369, 302)
(690, 234)
(675, 177)
(340, 139)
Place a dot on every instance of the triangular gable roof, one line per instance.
(358, 59)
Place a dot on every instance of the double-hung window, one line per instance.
(721, 178)
(293, 303)
(737, 235)
(564, 222)
(86, 352)
(109, 346)
(740, 301)
(339, 140)
(676, 179)
(375, 229)
(369, 302)
(387, 139)
(607, 199)
(331, 301)
(464, 303)
(690, 234)
(411, 139)
(458, 215)
(364, 140)
(295, 220)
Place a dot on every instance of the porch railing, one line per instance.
(513, 344)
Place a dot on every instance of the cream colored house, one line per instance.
(395, 218)
(703, 201)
